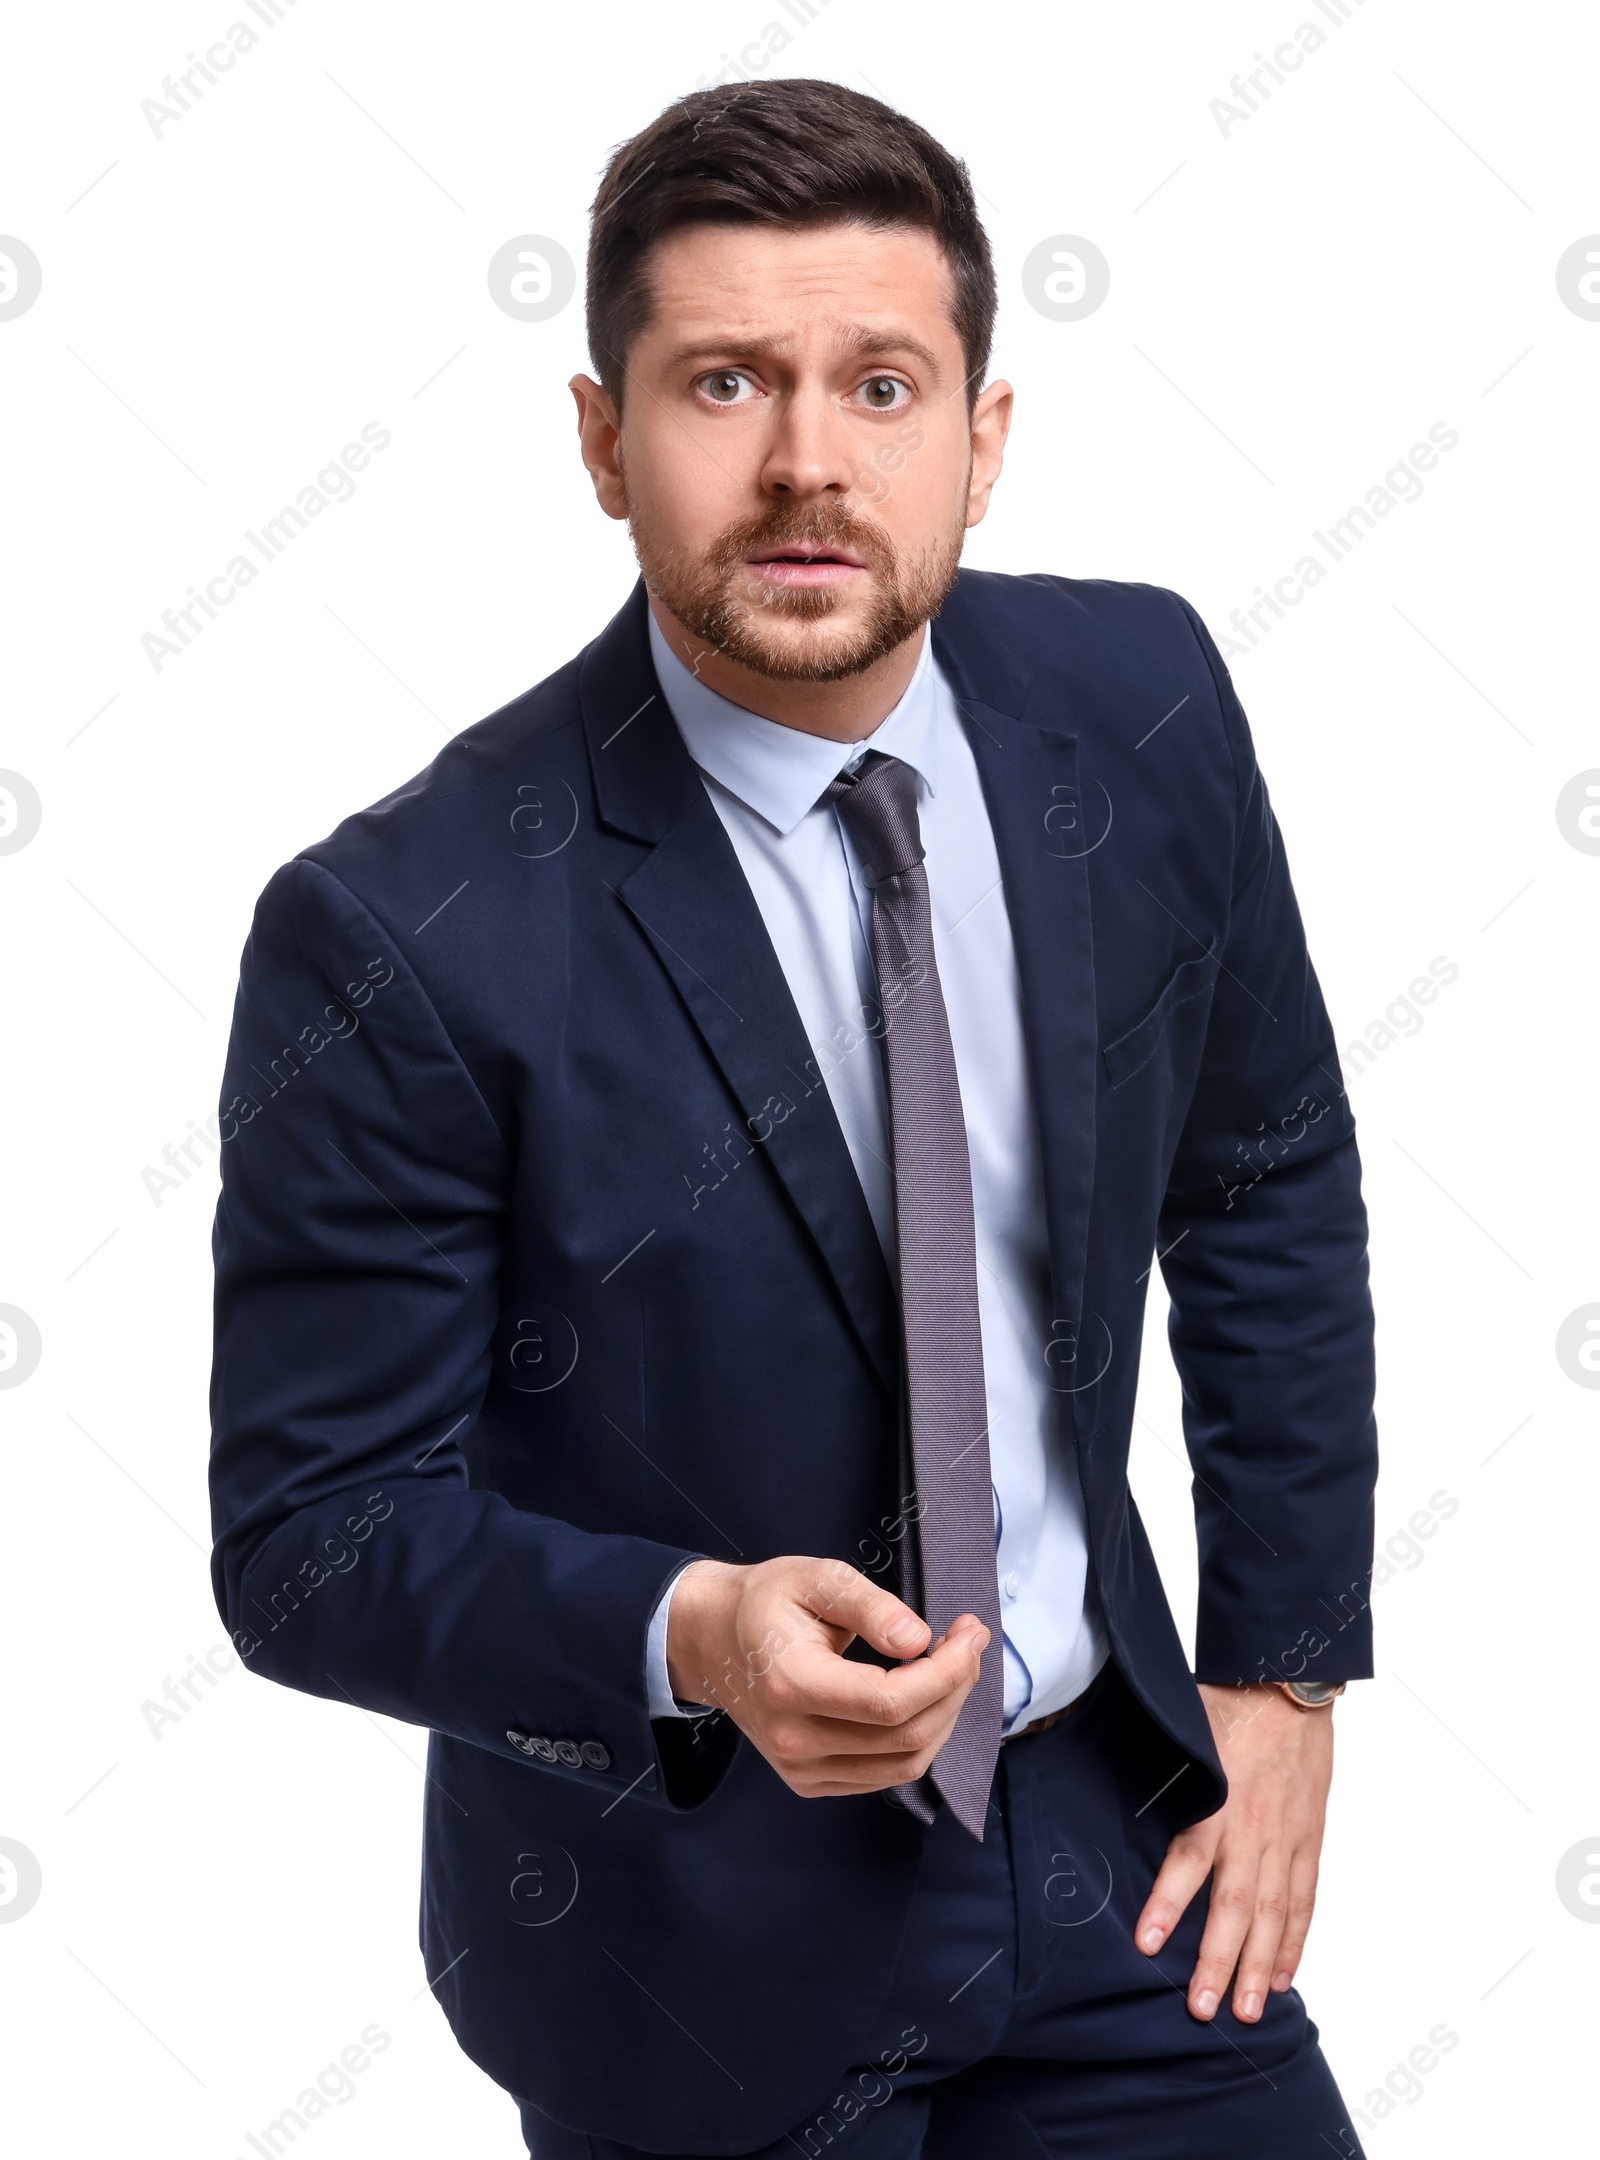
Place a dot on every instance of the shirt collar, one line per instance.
(780, 772)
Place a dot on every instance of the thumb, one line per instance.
(844, 1598)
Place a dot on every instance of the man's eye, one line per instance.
(724, 387)
(884, 392)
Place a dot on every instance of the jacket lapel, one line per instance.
(1028, 767)
(690, 899)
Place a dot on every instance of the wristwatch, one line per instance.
(1310, 1694)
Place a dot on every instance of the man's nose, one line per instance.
(810, 452)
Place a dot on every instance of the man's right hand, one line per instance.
(766, 1644)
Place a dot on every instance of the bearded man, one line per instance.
(677, 1334)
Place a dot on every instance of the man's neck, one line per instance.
(843, 711)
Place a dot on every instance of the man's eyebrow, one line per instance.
(856, 339)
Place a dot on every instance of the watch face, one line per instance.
(1314, 1691)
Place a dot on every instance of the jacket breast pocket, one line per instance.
(1134, 1049)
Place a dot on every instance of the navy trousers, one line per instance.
(1022, 2021)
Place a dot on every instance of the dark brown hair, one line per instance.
(795, 152)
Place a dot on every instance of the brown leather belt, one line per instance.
(1043, 1724)
(1040, 1724)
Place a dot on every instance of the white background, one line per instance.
(226, 1906)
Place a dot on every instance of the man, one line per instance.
(696, 1158)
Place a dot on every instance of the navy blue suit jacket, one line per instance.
(542, 1265)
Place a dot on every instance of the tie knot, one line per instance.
(878, 803)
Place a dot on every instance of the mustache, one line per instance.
(813, 527)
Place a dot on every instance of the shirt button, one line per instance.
(1013, 1584)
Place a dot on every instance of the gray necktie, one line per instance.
(942, 1345)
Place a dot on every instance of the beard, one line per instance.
(722, 597)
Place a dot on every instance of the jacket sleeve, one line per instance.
(357, 1246)
(1265, 1243)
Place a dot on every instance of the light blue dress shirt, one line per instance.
(765, 780)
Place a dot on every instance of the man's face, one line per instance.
(796, 456)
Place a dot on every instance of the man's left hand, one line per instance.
(1261, 1846)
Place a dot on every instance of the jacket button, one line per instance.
(520, 1741)
(543, 1748)
(567, 1752)
(596, 1755)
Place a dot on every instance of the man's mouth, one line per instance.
(799, 565)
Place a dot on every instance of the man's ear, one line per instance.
(599, 441)
(991, 423)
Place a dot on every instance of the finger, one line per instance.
(850, 1770)
(830, 1686)
(808, 1678)
(850, 1756)
(812, 1770)
(845, 1598)
(1185, 1868)
(835, 1775)
(1233, 1904)
(824, 1737)
(1297, 1920)
(865, 1695)
(1258, 1960)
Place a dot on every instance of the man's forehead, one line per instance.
(859, 288)
(771, 335)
